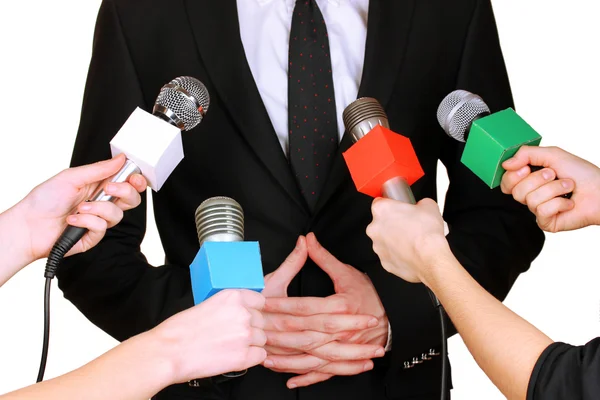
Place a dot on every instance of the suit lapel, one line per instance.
(388, 29)
(215, 26)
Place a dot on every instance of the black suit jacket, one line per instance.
(416, 52)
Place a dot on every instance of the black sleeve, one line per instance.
(112, 284)
(565, 372)
(494, 237)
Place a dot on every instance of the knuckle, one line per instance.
(245, 334)
(288, 324)
(302, 307)
(235, 296)
(330, 325)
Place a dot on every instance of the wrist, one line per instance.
(162, 367)
(436, 253)
(15, 235)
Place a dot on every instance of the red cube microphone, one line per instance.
(382, 163)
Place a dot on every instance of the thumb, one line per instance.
(93, 173)
(277, 282)
(530, 155)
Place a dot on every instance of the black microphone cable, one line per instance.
(444, 337)
(67, 240)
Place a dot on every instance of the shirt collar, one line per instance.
(291, 3)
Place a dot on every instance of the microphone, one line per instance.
(152, 144)
(381, 162)
(225, 260)
(490, 138)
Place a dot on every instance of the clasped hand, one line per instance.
(318, 338)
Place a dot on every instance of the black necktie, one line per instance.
(312, 121)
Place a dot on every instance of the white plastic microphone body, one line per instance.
(152, 144)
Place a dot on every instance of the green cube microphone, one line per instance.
(490, 138)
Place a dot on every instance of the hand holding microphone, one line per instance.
(33, 225)
(224, 333)
(544, 195)
(152, 144)
(406, 237)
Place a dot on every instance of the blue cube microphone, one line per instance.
(225, 260)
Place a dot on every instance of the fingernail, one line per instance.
(293, 386)
(367, 366)
(85, 207)
(379, 353)
(523, 171)
(298, 241)
(567, 184)
(269, 363)
(110, 188)
(509, 161)
(547, 174)
(72, 219)
(373, 323)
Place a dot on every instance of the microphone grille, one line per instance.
(362, 115)
(220, 219)
(457, 112)
(185, 97)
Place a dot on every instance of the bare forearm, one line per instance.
(504, 345)
(14, 244)
(134, 370)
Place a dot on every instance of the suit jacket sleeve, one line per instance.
(112, 284)
(494, 237)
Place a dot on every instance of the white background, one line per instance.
(551, 49)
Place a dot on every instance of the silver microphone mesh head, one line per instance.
(220, 219)
(184, 101)
(458, 110)
(362, 115)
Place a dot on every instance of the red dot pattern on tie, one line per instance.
(313, 130)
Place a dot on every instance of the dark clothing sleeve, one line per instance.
(114, 278)
(494, 237)
(565, 372)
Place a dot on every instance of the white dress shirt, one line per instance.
(265, 30)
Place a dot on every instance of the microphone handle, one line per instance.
(398, 189)
(72, 234)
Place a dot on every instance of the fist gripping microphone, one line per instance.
(490, 139)
(152, 144)
(225, 260)
(381, 162)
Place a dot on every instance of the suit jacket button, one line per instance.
(416, 360)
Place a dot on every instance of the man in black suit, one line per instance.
(269, 141)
